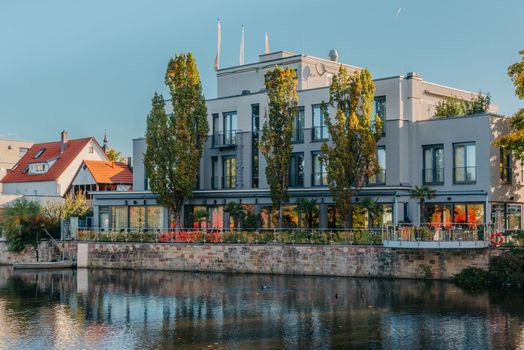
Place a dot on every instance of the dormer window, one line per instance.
(39, 153)
(39, 168)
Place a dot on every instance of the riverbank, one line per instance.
(321, 260)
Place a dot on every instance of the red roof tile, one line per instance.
(107, 172)
(52, 151)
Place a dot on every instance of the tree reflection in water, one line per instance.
(146, 309)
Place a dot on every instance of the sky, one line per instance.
(91, 66)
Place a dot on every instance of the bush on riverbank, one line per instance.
(504, 271)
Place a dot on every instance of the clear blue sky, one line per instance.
(94, 65)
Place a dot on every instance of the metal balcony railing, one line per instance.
(319, 133)
(296, 180)
(229, 182)
(318, 179)
(297, 136)
(433, 176)
(224, 139)
(378, 179)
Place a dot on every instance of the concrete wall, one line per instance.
(329, 260)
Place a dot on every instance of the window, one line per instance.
(230, 128)
(214, 173)
(39, 153)
(379, 109)
(216, 133)
(137, 218)
(154, 217)
(459, 213)
(296, 170)
(298, 127)
(229, 172)
(255, 126)
(514, 217)
(433, 163)
(464, 163)
(91, 150)
(505, 165)
(119, 218)
(319, 175)
(380, 177)
(319, 128)
(22, 151)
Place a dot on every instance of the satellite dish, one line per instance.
(321, 69)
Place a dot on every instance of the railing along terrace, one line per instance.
(363, 236)
(439, 232)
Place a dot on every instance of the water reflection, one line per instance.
(157, 310)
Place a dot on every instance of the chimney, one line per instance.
(63, 141)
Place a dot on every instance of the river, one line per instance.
(113, 309)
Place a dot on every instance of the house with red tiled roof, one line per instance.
(102, 175)
(47, 169)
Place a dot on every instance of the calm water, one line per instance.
(108, 309)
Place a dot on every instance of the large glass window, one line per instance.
(229, 172)
(380, 177)
(214, 173)
(464, 161)
(255, 126)
(298, 126)
(137, 218)
(216, 131)
(359, 217)
(379, 110)
(384, 217)
(433, 171)
(505, 165)
(438, 214)
(514, 216)
(319, 175)
(320, 131)
(230, 128)
(335, 217)
(154, 217)
(268, 217)
(119, 218)
(296, 170)
(103, 218)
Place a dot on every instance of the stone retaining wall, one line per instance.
(327, 260)
(46, 252)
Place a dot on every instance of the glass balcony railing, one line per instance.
(466, 174)
(229, 182)
(224, 139)
(379, 178)
(319, 133)
(319, 179)
(296, 180)
(298, 136)
(433, 176)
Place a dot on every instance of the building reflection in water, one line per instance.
(129, 309)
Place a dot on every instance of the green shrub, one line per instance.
(23, 223)
(472, 278)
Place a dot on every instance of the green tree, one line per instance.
(114, 155)
(374, 209)
(175, 142)
(422, 193)
(22, 223)
(74, 204)
(236, 211)
(352, 157)
(275, 144)
(309, 209)
(455, 106)
(515, 139)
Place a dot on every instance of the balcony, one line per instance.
(378, 179)
(319, 179)
(229, 182)
(319, 133)
(225, 139)
(297, 136)
(433, 176)
(214, 182)
(296, 180)
(465, 175)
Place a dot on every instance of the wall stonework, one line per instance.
(329, 260)
(46, 252)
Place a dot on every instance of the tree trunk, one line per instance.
(347, 216)
(280, 217)
(421, 213)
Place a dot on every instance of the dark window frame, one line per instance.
(506, 165)
(464, 144)
(323, 128)
(298, 183)
(313, 171)
(376, 182)
(226, 180)
(434, 147)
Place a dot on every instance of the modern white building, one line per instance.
(475, 182)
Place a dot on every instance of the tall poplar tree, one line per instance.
(275, 143)
(515, 139)
(175, 142)
(351, 159)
